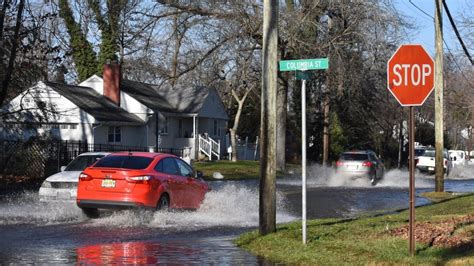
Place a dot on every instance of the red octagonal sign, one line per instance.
(410, 75)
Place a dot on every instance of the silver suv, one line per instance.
(361, 164)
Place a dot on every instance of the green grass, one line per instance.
(230, 170)
(437, 196)
(233, 170)
(361, 241)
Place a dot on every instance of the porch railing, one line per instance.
(210, 147)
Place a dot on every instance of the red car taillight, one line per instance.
(367, 164)
(339, 163)
(85, 177)
(138, 179)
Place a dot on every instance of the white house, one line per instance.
(107, 110)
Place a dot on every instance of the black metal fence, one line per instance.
(37, 159)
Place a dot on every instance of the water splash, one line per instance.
(462, 172)
(230, 206)
(400, 178)
(320, 176)
(25, 207)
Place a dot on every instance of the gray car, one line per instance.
(361, 164)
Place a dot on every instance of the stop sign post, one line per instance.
(410, 78)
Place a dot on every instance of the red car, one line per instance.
(139, 179)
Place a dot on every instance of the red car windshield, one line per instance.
(125, 162)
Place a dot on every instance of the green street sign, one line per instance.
(300, 75)
(304, 64)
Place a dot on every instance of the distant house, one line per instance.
(107, 110)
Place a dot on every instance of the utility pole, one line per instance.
(439, 142)
(267, 207)
(326, 106)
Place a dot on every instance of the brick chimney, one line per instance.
(111, 78)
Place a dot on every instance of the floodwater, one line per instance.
(58, 233)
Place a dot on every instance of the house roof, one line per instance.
(167, 99)
(99, 106)
(146, 95)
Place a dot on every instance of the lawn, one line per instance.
(230, 170)
(234, 170)
(444, 234)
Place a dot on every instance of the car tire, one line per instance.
(446, 173)
(90, 212)
(373, 179)
(163, 202)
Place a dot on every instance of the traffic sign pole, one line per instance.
(411, 166)
(301, 66)
(410, 78)
(303, 155)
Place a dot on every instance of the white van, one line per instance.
(458, 157)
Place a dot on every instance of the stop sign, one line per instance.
(410, 74)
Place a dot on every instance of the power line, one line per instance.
(421, 10)
(446, 44)
(456, 63)
(457, 32)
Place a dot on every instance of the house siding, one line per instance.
(86, 128)
(213, 107)
(130, 135)
(66, 114)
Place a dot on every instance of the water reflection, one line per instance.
(131, 253)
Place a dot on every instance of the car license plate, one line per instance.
(430, 168)
(109, 183)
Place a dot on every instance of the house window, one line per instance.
(73, 126)
(216, 127)
(64, 126)
(115, 135)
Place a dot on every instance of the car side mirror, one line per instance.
(63, 168)
(199, 174)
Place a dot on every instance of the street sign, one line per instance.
(410, 78)
(300, 66)
(303, 75)
(304, 64)
(410, 75)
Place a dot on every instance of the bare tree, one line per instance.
(6, 79)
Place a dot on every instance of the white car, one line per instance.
(458, 157)
(63, 185)
(426, 162)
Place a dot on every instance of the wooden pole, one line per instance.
(439, 142)
(267, 199)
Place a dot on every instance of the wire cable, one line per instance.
(457, 32)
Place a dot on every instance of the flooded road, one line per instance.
(34, 232)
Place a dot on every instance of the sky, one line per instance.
(425, 34)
